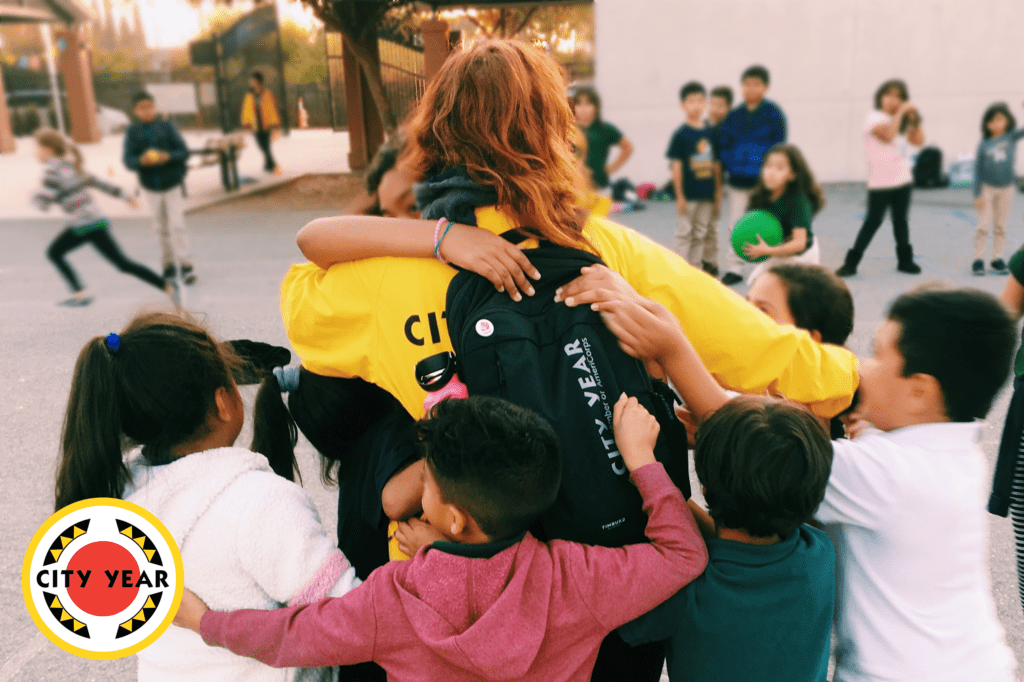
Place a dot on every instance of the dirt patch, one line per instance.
(314, 192)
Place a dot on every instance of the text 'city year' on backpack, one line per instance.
(566, 365)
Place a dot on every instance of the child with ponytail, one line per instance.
(66, 183)
(249, 536)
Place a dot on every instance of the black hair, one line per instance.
(499, 462)
(155, 388)
(990, 113)
(962, 337)
(818, 299)
(756, 71)
(764, 464)
(693, 87)
(723, 91)
(889, 85)
(257, 76)
(141, 96)
(804, 182)
(383, 161)
(333, 413)
(591, 95)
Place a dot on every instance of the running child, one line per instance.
(695, 177)
(993, 184)
(66, 183)
(485, 599)
(786, 189)
(249, 536)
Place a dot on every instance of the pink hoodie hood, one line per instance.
(485, 615)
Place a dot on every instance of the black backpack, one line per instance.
(928, 169)
(566, 365)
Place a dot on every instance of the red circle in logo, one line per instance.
(99, 597)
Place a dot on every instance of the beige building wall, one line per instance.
(826, 58)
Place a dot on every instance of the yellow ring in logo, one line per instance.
(144, 542)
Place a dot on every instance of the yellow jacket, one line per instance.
(268, 110)
(377, 318)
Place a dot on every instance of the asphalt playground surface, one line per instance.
(240, 258)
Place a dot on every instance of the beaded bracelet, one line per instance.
(439, 239)
(437, 231)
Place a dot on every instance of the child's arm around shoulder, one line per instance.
(342, 239)
(337, 631)
(283, 547)
(619, 584)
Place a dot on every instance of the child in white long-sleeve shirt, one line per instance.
(249, 536)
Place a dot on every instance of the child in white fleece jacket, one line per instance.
(249, 536)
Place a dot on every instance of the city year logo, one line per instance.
(102, 578)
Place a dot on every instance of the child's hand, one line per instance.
(636, 432)
(190, 612)
(978, 204)
(681, 205)
(504, 264)
(757, 250)
(413, 534)
(645, 329)
(596, 283)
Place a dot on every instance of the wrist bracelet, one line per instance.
(437, 231)
(437, 243)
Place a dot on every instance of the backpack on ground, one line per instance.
(928, 169)
(566, 365)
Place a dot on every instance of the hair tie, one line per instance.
(287, 378)
(113, 343)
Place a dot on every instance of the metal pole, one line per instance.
(51, 67)
(282, 88)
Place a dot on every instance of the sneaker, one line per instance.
(170, 272)
(188, 275)
(978, 268)
(731, 278)
(846, 270)
(999, 266)
(79, 300)
(710, 268)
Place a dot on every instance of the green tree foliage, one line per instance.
(305, 53)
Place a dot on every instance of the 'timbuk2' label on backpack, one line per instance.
(593, 392)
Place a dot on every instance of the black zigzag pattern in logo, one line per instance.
(139, 538)
(63, 617)
(66, 538)
(139, 619)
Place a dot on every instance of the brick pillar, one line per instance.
(76, 65)
(435, 45)
(6, 133)
(365, 130)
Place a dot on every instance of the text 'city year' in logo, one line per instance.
(102, 578)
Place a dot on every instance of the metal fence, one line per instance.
(401, 69)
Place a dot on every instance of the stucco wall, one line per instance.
(826, 58)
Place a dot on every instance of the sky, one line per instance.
(172, 23)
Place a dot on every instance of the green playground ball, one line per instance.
(751, 225)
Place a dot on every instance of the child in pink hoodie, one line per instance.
(485, 600)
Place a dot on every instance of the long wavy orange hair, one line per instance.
(500, 110)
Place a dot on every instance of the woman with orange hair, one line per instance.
(492, 137)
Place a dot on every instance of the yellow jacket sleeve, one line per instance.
(248, 111)
(271, 117)
(330, 320)
(741, 346)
